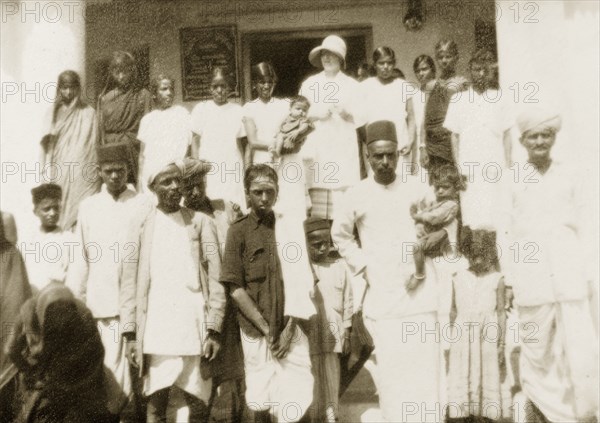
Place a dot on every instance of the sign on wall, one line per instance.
(203, 49)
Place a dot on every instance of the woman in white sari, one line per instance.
(68, 147)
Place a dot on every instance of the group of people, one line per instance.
(232, 258)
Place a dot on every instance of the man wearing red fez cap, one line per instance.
(102, 273)
(397, 314)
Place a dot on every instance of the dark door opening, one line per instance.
(288, 53)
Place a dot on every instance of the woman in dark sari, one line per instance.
(121, 107)
(438, 146)
(57, 350)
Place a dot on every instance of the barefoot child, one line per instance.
(477, 366)
(435, 221)
(331, 327)
(294, 129)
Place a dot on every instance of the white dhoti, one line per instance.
(115, 361)
(165, 371)
(559, 360)
(283, 386)
(408, 367)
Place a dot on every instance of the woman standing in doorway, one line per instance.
(332, 149)
(121, 107)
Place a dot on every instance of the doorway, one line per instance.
(288, 53)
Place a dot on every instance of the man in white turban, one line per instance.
(545, 266)
(179, 304)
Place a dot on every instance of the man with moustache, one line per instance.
(180, 303)
(401, 318)
(552, 281)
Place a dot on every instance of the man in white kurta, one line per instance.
(180, 309)
(545, 262)
(103, 273)
(402, 322)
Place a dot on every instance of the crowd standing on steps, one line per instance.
(218, 261)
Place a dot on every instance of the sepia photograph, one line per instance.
(312, 211)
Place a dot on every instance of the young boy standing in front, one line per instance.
(46, 251)
(279, 382)
(330, 330)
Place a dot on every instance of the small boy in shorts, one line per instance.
(330, 329)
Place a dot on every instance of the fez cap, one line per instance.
(117, 152)
(314, 224)
(381, 130)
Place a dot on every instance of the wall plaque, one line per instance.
(202, 49)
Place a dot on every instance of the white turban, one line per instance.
(161, 169)
(537, 117)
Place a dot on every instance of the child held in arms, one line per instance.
(294, 129)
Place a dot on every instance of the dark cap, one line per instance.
(44, 191)
(117, 152)
(315, 224)
(381, 130)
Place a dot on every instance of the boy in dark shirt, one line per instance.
(276, 353)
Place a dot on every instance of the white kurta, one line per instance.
(267, 117)
(219, 127)
(542, 252)
(108, 231)
(387, 235)
(403, 324)
(332, 147)
(47, 256)
(175, 319)
(544, 258)
(387, 102)
(480, 120)
(165, 136)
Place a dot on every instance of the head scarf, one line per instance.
(535, 117)
(179, 164)
(194, 167)
(57, 346)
